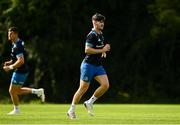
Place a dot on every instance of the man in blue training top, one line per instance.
(91, 67)
(19, 65)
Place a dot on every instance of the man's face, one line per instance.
(99, 24)
(12, 36)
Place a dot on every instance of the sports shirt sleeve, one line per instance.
(90, 39)
(20, 50)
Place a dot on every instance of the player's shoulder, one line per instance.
(92, 34)
(20, 43)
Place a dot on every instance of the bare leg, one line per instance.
(80, 92)
(104, 85)
(13, 90)
(25, 90)
(16, 90)
(83, 87)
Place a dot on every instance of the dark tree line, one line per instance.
(143, 65)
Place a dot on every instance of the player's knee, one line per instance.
(12, 91)
(83, 89)
(105, 86)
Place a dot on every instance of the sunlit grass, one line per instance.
(104, 114)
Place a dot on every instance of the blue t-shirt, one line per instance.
(96, 41)
(18, 50)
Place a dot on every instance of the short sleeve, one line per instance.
(90, 40)
(20, 49)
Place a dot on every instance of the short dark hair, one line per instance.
(14, 29)
(98, 17)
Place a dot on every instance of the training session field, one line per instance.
(104, 114)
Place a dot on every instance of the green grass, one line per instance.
(104, 114)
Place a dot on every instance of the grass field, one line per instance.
(104, 114)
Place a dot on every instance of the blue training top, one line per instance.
(96, 41)
(17, 51)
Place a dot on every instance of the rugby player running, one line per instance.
(91, 67)
(18, 64)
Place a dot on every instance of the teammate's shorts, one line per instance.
(89, 71)
(18, 78)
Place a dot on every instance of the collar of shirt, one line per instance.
(93, 29)
(14, 43)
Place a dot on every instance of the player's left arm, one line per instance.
(104, 53)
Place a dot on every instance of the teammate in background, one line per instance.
(19, 65)
(91, 67)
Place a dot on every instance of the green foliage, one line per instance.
(143, 65)
(168, 19)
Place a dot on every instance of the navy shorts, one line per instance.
(18, 78)
(89, 71)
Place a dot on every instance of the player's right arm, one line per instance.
(18, 63)
(89, 46)
(20, 59)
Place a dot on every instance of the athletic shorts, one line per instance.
(18, 78)
(89, 71)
